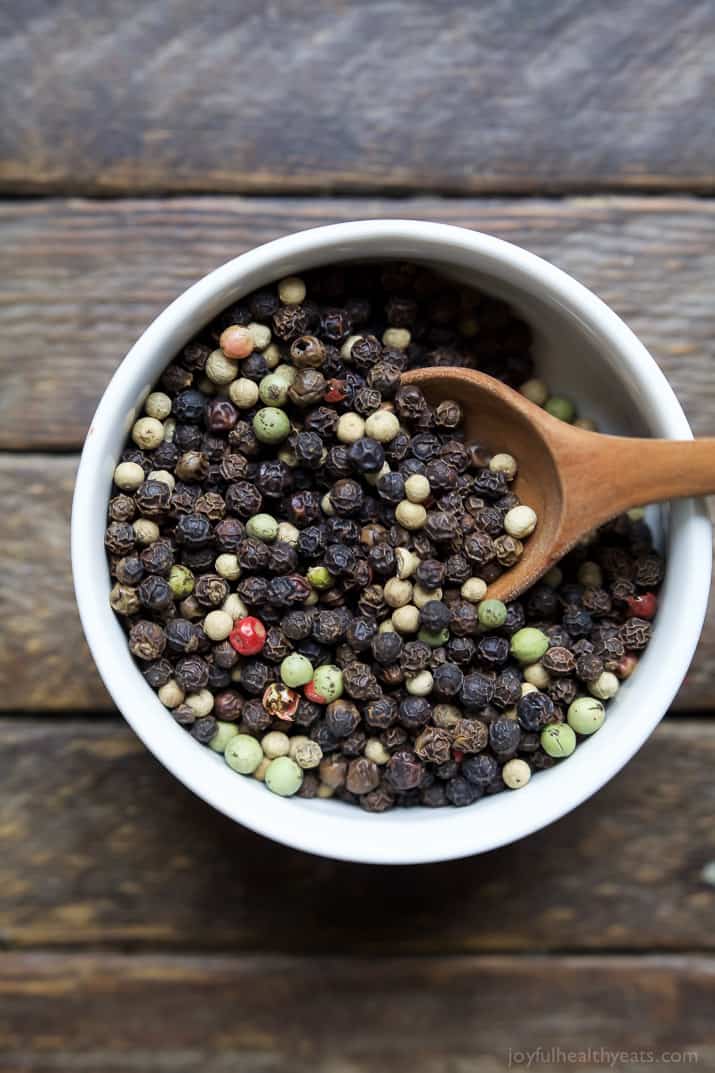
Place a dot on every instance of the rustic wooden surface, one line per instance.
(80, 280)
(299, 1015)
(100, 846)
(318, 95)
(141, 931)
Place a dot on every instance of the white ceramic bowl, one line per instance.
(584, 350)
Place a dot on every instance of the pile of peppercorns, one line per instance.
(301, 549)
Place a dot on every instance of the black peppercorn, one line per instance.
(504, 736)
(129, 571)
(158, 673)
(535, 710)
(119, 538)
(386, 647)
(460, 792)
(414, 712)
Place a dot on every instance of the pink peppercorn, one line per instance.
(248, 636)
(236, 342)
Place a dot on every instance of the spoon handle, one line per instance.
(605, 475)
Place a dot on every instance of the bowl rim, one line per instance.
(389, 837)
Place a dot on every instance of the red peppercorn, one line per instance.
(311, 693)
(626, 666)
(248, 636)
(280, 701)
(458, 755)
(643, 606)
(335, 392)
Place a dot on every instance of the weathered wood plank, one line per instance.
(44, 662)
(79, 281)
(99, 845)
(320, 95)
(115, 1014)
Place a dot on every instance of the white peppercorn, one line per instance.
(288, 533)
(399, 338)
(474, 589)
(417, 488)
(260, 333)
(292, 290)
(504, 463)
(397, 593)
(410, 515)
(201, 703)
(536, 675)
(407, 562)
(145, 530)
(382, 426)
(516, 773)
(347, 347)
(406, 619)
(147, 433)
(420, 685)
(218, 625)
(220, 369)
(520, 521)
(128, 476)
(171, 694)
(157, 405)
(350, 428)
(374, 750)
(243, 393)
(234, 606)
(227, 566)
(605, 686)
(275, 743)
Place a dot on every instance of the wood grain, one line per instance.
(44, 662)
(318, 95)
(80, 280)
(290, 1015)
(100, 846)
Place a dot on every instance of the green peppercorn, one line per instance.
(434, 638)
(181, 581)
(271, 425)
(560, 407)
(273, 390)
(320, 577)
(283, 776)
(528, 645)
(328, 682)
(558, 740)
(224, 733)
(491, 614)
(243, 753)
(296, 670)
(586, 715)
(262, 527)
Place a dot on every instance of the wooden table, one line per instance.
(140, 146)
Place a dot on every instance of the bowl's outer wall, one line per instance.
(584, 350)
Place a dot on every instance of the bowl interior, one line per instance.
(582, 350)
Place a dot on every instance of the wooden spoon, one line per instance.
(575, 480)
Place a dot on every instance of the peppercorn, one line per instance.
(147, 640)
(414, 712)
(404, 770)
(535, 710)
(460, 792)
(504, 736)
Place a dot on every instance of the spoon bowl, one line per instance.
(575, 480)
